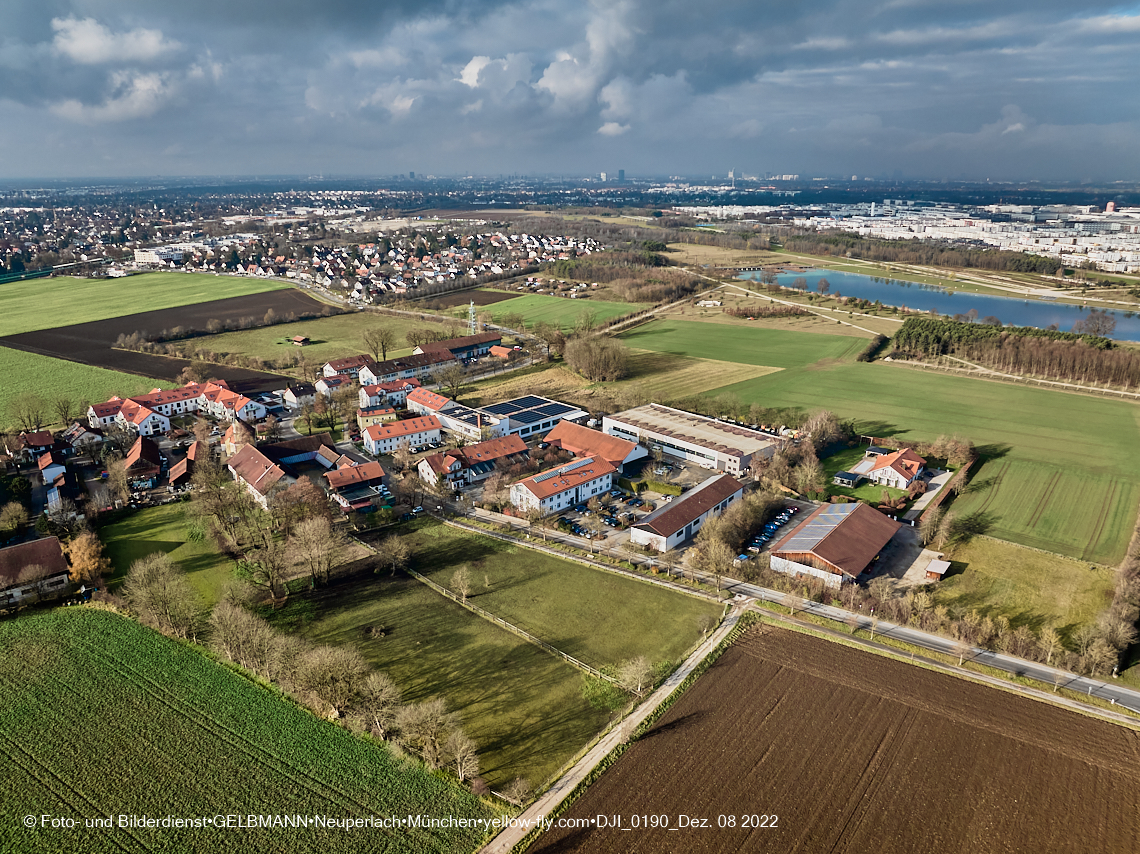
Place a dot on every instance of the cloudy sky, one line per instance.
(1014, 89)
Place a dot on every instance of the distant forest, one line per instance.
(1045, 353)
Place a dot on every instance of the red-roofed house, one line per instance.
(385, 438)
(427, 402)
(565, 486)
(394, 393)
(144, 463)
(365, 418)
(584, 442)
(256, 472)
(357, 487)
(327, 385)
(350, 366)
(500, 352)
(50, 468)
(142, 419)
(103, 414)
(471, 463)
(898, 469)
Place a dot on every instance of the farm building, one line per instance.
(673, 523)
(32, 571)
(531, 414)
(471, 463)
(710, 443)
(144, 464)
(301, 340)
(500, 352)
(897, 469)
(585, 442)
(937, 569)
(183, 470)
(386, 438)
(465, 347)
(564, 486)
(256, 472)
(835, 543)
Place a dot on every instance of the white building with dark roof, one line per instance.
(671, 524)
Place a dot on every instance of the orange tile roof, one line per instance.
(364, 473)
(906, 462)
(559, 480)
(429, 399)
(399, 429)
(256, 469)
(584, 442)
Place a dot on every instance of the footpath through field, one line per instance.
(556, 794)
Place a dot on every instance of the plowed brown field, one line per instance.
(857, 753)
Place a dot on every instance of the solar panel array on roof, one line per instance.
(530, 401)
(525, 417)
(505, 408)
(552, 409)
(816, 529)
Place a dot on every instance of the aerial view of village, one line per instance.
(521, 506)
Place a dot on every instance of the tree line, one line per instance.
(922, 252)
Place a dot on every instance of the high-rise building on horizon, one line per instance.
(621, 174)
(603, 176)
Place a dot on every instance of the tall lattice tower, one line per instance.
(472, 323)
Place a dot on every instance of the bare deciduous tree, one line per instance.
(379, 340)
(461, 583)
(461, 754)
(379, 704)
(634, 674)
(333, 676)
(158, 592)
(423, 727)
(319, 544)
(392, 553)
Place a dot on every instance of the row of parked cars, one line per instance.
(758, 542)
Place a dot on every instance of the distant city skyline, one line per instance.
(884, 88)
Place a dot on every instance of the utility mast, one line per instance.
(472, 323)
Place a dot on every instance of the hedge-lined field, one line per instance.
(560, 311)
(104, 717)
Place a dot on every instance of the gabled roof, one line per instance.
(391, 386)
(351, 363)
(364, 473)
(400, 429)
(196, 450)
(302, 389)
(565, 477)
(462, 342)
(143, 455)
(846, 536)
(672, 517)
(429, 399)
(135, 413)
(255, 469)
(46, 553)
(109, 409)
(47, 460)
(584, 442)
(906, 462)
(492, 449)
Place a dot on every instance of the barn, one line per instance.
(835, 543)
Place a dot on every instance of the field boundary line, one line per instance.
(1046, 495)
(566, 787)
(499, 621)
(1102, 518)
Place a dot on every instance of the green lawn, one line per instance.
(598, 617)
(31, 373)
(47, 303)
(776, 348)
(103, 717)
(165, 529)
(1028, 587)
(523, 707)
(559, 311)
(872, 493)
(1068, 456)
(332, 337)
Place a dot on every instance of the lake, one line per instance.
(1009, 310)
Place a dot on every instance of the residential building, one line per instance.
(709, 442)
(30, 445)
(357, 487)
(374, 415)
(671, 524)
(144, 464)
(465, 347)
(584, 442)
(257, 473)
(835, 543)
(898, 469)
(50, 468)
(406, 368)
(53, 575)
(393, 393)
(104, 414)
(141, 419)
(298, 395)
(425, 402)
(385, 438)
(555, 490)
(471, 463)
(81, 437)
(351, 366)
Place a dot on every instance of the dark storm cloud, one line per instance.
(1012, 89)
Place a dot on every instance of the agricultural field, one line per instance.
(168, 529)
(524, 708)
(1067, 456)
(32, 373)
(103, 717)
(661, 376)
(847, 751)
(331, 337)
(1028, 587)
(560, 311)
(598, 617)
(47, 303)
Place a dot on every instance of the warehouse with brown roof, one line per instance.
(835, 543)
(673, 523)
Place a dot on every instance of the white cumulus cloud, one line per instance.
(88, 42)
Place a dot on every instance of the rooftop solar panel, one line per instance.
(529, 401)
(505, 408)
(552, 409)
(526, 417)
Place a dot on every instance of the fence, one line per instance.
(527, 636)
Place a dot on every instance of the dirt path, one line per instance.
(537, 812)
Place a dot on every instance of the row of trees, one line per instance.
(920, 252)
